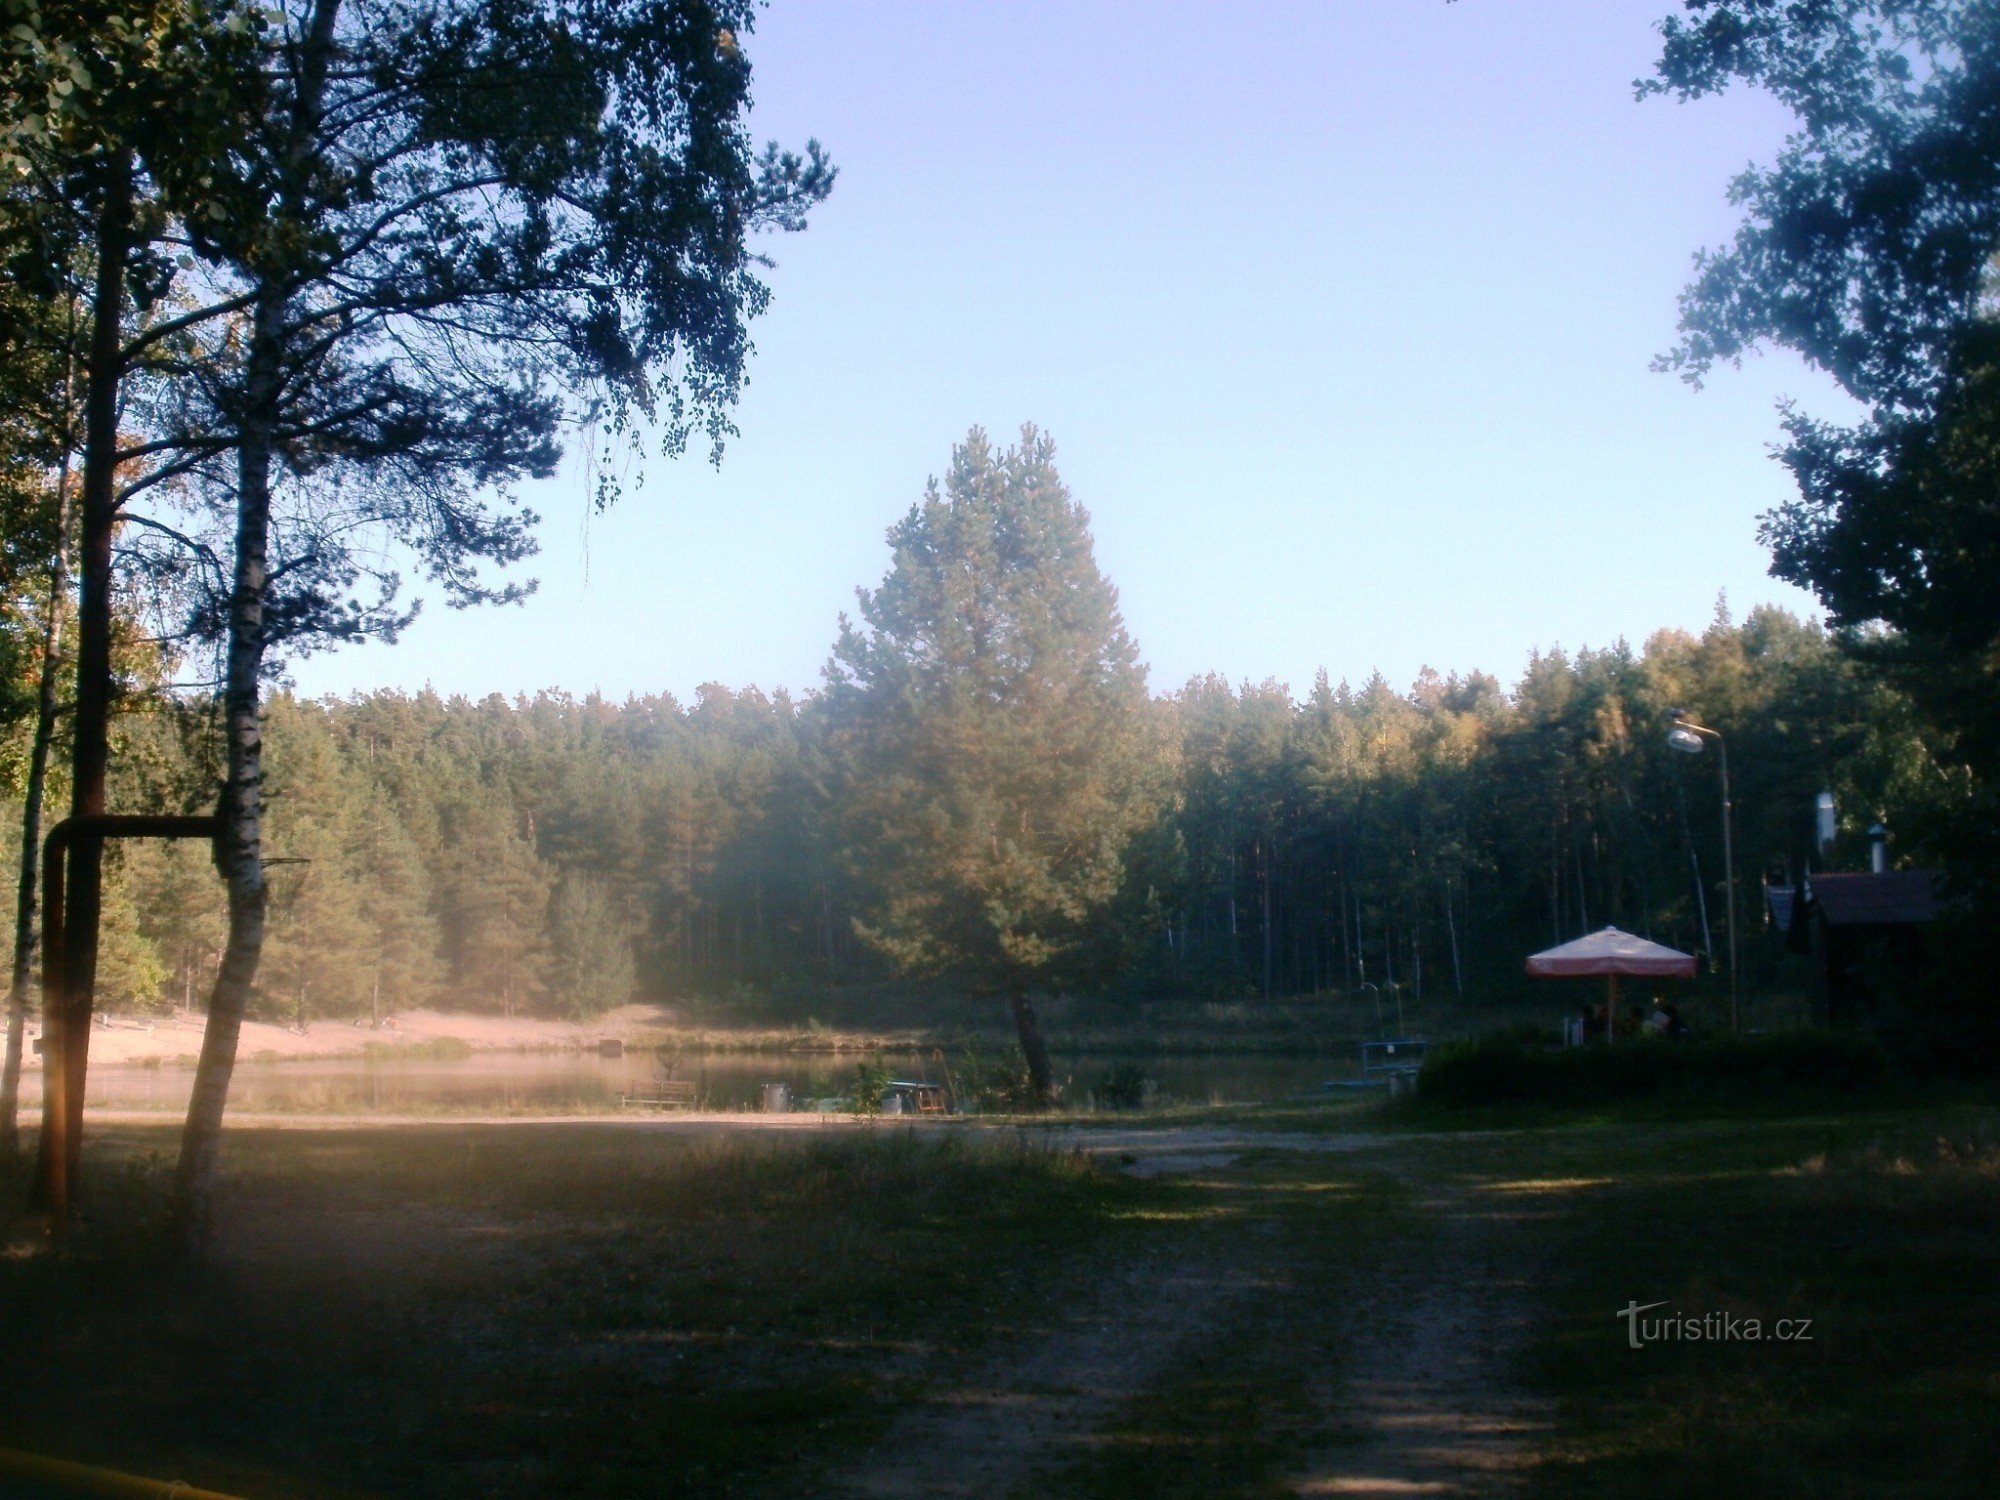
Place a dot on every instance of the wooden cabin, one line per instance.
(1855, 929)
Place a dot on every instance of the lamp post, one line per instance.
(1690, 739)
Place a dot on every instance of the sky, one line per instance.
(1340, 315)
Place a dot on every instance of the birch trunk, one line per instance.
(242, 812)
(242, 797)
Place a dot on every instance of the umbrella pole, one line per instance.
(1611, 1007)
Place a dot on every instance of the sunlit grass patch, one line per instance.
(1540, 1185)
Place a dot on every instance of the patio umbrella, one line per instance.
(1611, 954)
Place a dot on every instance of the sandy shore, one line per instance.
(693, 1122)
(171, 1038)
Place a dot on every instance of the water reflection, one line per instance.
(567, 1083)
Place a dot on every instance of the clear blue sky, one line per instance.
(1340, 315)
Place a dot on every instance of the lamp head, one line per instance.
(1684, 740)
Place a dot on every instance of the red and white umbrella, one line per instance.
(1610, 955)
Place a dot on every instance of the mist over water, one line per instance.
(583, 1083)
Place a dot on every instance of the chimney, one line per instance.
(1825, 825)
(1878, 849)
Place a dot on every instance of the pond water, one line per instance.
(568, 1083)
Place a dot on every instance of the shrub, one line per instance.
(1122, 1087)
(1501, 1070)
(1000, 1082)
(871, 1087)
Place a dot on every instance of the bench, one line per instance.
(664, 1093)
(1393, 1064)
(918, 1098)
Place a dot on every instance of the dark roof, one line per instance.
(1782, 900)
(1901, 896)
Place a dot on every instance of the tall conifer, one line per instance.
(991, 727)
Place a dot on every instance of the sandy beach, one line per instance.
(122, 1039)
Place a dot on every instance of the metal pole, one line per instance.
(1683, 738)
(66, 1012)
(1729, 879)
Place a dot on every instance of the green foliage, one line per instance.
(1412, 838)
(1123, 1087)
(870, 1087)
(1869, 247)
(996, 1082)
(590, 948)
(990, 726)
(1502, 1070)
(130, 972)
(429, 207)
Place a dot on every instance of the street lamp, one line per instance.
(1690, 739)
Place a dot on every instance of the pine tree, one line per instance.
(496, 902)
(590, 948)
(991, 722)
(401, 930)
(130, 972)
(180, 912)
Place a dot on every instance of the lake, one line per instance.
(569, 1082)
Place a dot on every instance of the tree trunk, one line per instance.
(243, 792)
(1041, 1076)
(1451, 931)
(25, 904)
(1264, 877)
(191, 1208)
(66, 1016)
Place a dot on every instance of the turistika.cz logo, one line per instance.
(1708, 1328)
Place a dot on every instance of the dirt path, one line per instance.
(1435, 1402)
(1032, 1409)
(1430, 1400)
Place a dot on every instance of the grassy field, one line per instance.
(1880, 1236)
(1315, 1299)
(456, 1312)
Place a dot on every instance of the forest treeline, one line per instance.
(560, 855)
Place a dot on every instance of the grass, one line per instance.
(444, 1311)
(432, 1049)
(1882, 1226)
(1884, 1232)
(457, 1310)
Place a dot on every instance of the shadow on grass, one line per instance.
(1874, 1244)
(447, 1311)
